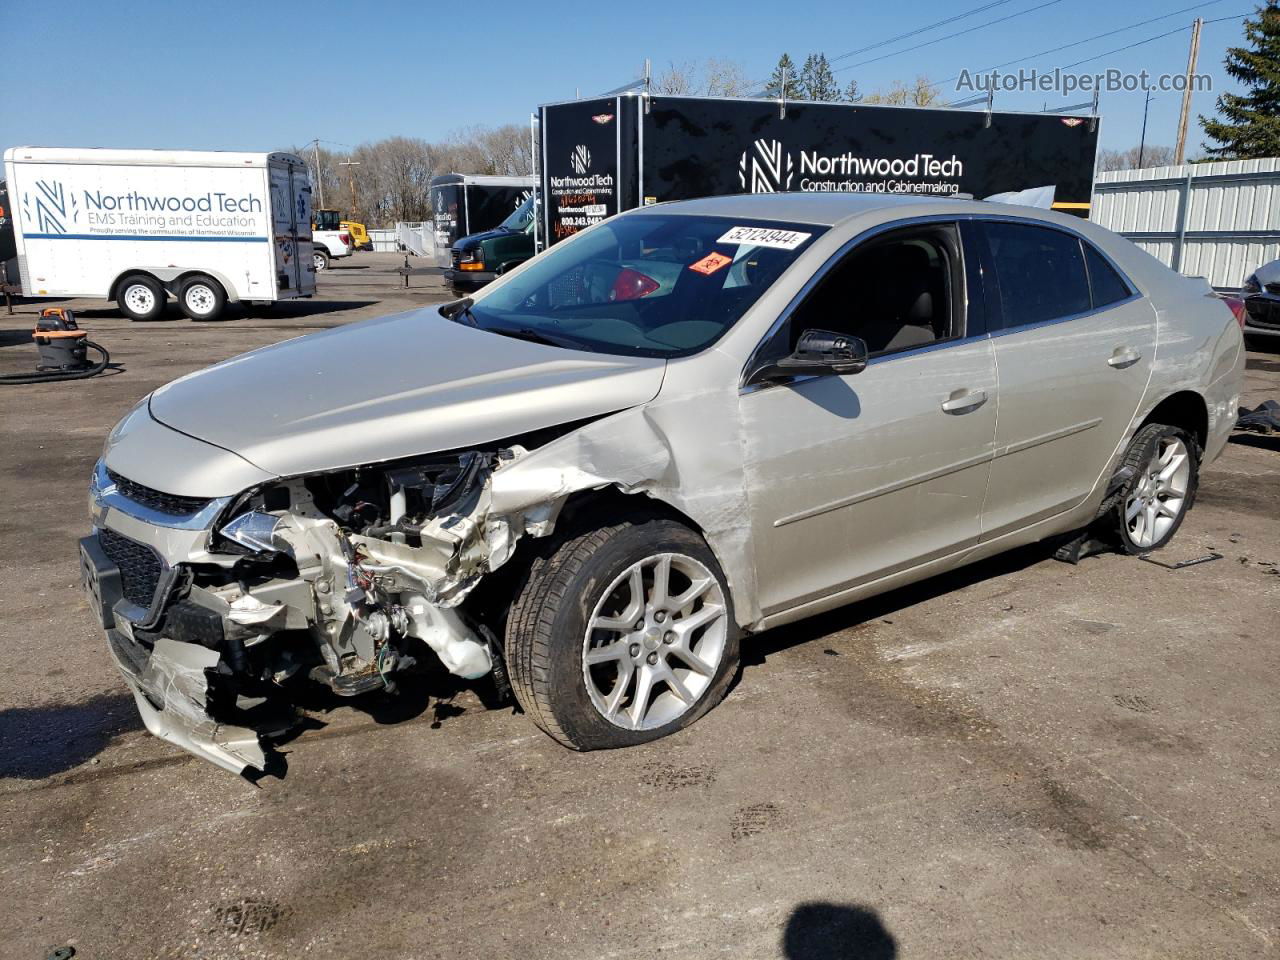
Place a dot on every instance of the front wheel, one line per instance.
(1155, 501)
(622, 635)
(202, 298)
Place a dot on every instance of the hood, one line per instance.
(395, 387)
(473, 240)
(1268, 272)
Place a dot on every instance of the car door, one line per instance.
(1074, 344)
(854, 477)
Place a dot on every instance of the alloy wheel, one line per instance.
(1159, 495)
(655, 641)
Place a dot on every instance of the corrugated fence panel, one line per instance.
(1217, 220)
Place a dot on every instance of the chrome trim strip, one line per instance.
(935, 474)
(887, 488)
(1059, 434)
(103, 494)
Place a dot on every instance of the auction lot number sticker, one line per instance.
(765, 237)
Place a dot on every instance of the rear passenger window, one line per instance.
(1041, 273)
(1108, 286)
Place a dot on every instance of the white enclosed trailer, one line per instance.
(141, 226)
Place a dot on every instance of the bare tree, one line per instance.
(724, 78)
(678, 80)
(1152, 155)
(919, 93)
(392, 176)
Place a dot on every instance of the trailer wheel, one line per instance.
(140, 297)
(202, 298)
(320, 260)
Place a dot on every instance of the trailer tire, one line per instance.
(141, 297)
(202, 298)
(320, 260)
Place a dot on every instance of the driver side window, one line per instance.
(896, 292)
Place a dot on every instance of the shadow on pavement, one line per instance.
(886, 604)
(832, 931)
(42, 741)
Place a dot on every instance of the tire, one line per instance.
(202, 298)
(590, 578)
(1150, 508)
(320, 260)
(140, 297)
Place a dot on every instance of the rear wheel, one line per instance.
(140, 297)
(622, 635)
(320, 260)
(1153, 504)
(202, 298)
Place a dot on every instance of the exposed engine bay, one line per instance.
(346, 575)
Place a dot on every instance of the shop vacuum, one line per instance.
(64, 350)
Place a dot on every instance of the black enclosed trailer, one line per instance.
(613, 153)
(464, 203)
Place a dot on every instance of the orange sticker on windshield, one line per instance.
(711, 263)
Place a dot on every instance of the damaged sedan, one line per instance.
(683, 426)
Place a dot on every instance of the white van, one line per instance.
(140, 226)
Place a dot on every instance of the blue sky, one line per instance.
(266, 75)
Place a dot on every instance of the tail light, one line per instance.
(1238, 308)
(632, 285)
(345, 238)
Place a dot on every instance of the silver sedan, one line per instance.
(679, 428)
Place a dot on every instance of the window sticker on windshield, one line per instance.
(765, 237)
(711, 263)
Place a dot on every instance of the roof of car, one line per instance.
(829, 209)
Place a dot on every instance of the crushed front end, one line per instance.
(211, 604)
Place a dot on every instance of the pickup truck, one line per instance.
(480, 257)
(329, 241)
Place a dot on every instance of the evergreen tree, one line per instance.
(817, 82)
(851, 93)
(783, 82)
(1251, 128)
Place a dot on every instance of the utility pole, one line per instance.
(352, 175)
(1186, 93)
(1142, 144)
(319, 180)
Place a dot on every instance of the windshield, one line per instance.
(327, 219)
(521, 218)
(644, 285)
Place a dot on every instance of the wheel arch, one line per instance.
(113, 292)
(1185, 409)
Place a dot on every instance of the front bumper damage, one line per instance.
(359, 597)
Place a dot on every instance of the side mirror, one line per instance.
(824, 351)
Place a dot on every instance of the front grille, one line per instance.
(1263, 312)
(166, 503)
(140, 567)
(1274, 288)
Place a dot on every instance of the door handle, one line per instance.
(962, 401)
(1124, 357)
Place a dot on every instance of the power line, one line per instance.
(1077, 43)
(949, 36)
(1149, 40)
(919, 30)
(903, 36)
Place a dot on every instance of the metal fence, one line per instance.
(417, 238)
(1216, 220)
(384, 241)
